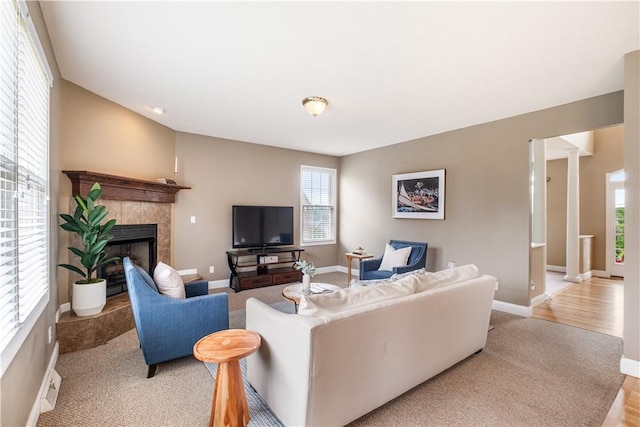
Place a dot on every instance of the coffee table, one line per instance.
(294, 292)
(226, 348)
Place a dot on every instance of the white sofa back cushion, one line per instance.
(350, 298)
(447, 277)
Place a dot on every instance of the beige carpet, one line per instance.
(531, 373)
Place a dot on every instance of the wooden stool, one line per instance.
(226, 348)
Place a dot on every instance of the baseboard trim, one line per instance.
(217, 284)
(600, 273)
(518, 310)
(537, 300)
(62, 308)
(557, 268)
(630, 367)
(35, 409)
(330, 269)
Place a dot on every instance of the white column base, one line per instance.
(630, 367)
(574, 279)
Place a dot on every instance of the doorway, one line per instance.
(615, 200)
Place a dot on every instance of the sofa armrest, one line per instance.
(280, 370)
(200, 287)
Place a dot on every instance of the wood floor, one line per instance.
(596, 305)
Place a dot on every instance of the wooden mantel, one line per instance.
(121, 188)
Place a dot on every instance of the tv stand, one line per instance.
(263, 250)
(249, 271)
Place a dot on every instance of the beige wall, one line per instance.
(101, 136)
(487, 191)
(21, 381)
(607, 157)
(631, 333)
(557, 212)
(223, 173)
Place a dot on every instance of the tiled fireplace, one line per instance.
(140, 207)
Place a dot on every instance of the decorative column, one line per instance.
(573, 217)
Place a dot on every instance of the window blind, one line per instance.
(24, 172)
(318, 204)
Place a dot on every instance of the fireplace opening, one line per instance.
(138, 242)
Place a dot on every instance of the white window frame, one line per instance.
(333, 174)
(36, 65)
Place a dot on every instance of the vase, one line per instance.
(306, 282)
(89, 299)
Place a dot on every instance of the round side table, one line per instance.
(226, 348)
(293, 292)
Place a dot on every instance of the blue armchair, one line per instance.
(168, 327)
(417, 259)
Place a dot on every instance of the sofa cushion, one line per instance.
(394, 257)
(380, 281)
(397, 276)
(350, 298)
(447, 277)
(373, 282)
(168, 281)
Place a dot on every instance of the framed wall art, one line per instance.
(419, 195)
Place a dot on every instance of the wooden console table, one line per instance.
(248, 271)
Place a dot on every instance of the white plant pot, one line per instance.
(306, 282)
(89, 299)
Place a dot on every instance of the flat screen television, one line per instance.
(262, 226)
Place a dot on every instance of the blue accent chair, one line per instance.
(168, 327)
(417, 259)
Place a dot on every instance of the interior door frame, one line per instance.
(612, 268)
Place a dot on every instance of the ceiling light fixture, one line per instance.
(158, 110)
(315, 105)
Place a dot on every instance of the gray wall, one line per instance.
(487, 191)
(21, 382)
(223, 173)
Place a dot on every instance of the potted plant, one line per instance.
(89, 294)
(308, 271)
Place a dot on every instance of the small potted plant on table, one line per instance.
(308, 271)
(89, 294)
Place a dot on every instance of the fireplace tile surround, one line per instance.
(78, 333)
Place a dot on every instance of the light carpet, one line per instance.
(531, 373)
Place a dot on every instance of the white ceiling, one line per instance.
(392, 71)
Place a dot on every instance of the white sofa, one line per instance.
(332, 368)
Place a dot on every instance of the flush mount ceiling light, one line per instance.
(315, 105)
(158, 110)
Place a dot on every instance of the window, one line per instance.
(318, 204)
(25, 80)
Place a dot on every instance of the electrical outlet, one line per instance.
(497, 285)
(533, 284)
(193, 219)
(212, 269)
(50, 334)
